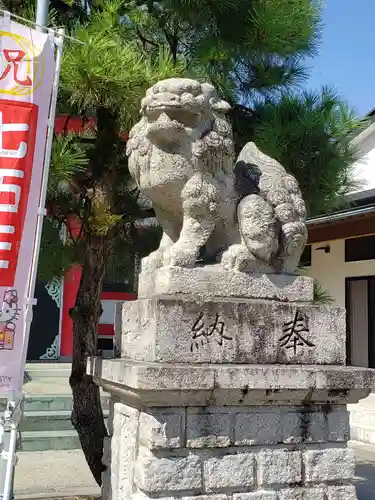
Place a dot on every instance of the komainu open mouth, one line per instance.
(174, 111)
(162, 128)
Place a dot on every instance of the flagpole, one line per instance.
(11, 421)
(59, 41)
(42, 12)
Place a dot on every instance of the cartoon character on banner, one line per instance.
(8, 316)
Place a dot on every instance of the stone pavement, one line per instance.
(52, 474)
(365, 473)
(49, 474)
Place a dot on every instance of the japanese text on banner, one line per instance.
(27, 69)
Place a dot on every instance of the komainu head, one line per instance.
(185, 117)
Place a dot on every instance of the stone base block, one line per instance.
(156, 384)
(221, 453)
(237, 331)
(210, 282)
(229, 432)
(362, 420)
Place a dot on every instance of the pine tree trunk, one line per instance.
(87, 415)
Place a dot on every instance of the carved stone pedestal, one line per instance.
(237, 398)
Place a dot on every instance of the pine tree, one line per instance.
(254, 53)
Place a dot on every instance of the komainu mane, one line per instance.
(247, 215)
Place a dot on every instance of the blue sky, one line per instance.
(346, 57)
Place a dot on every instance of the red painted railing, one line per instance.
(65, 124)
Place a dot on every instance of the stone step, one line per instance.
(49, 421)
(50, 440)
(46, 421)
(365, 404)
(43, 370)
(363, 415)
(362, 420)
(48, 403)
(54, 403)
(362, 434)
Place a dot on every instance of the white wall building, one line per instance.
(341, 256)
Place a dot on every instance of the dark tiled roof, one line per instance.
(367, 120)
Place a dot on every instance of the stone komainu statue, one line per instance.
(248, 215)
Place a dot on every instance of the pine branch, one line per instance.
(145, 40)
(307, 133)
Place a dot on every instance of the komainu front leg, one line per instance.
(155, 259)
(200, 214)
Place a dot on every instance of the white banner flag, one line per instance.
(27, 68)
